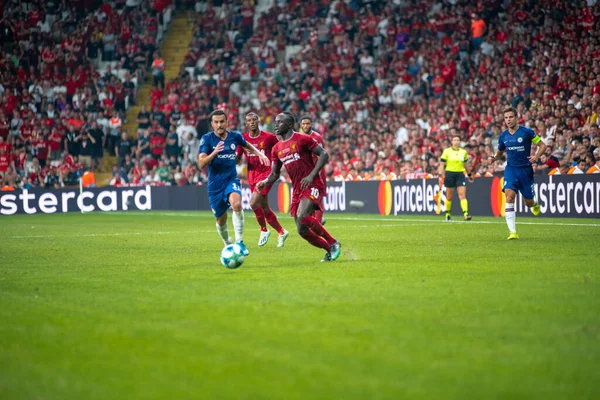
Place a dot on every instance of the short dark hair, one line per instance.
(510, 109)
(289, 114)
(217, 112)
(308, 117)
(252, 114)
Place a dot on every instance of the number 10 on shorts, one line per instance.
(314, 192)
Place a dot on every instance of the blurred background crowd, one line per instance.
(387, 83)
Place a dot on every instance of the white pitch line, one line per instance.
(106, 234)
(400, 219)
(397, 223)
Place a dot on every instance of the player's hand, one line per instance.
(260, 185)
(219, 147)
(492, 159)
(306, 181)
(470, 178)
(532, 159)
(264, 160)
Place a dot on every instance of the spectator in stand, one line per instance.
(86, 148)
(115, 123)
(123, 148)
(158, 70)
(157, 144)
(579, 168)
(595, 168)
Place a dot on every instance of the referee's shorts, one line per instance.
(455, 179)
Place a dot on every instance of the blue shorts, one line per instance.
(520, 179)
(219, 201)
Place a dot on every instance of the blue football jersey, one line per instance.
(221, 170)
(518, 146)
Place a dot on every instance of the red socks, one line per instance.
(315, 225)
(272, 220)
(316, 240)
(260, 217)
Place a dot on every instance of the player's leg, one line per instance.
(318, 213)
(464, 203)
(306, 218)
(219, 209)
(272, 220)
(234, 198)
(222, 228)
(299, 211)
(256, 206)
(256, 200)
(510, 189)
(528, 191)
(449, 194)
(510, 213)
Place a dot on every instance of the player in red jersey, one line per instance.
(295, 151)
(306, 124)
(259, 201)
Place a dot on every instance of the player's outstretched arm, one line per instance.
(263, 159)
(275, 172)
(205, 159)
(321, 161)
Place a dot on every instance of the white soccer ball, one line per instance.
(232, 256)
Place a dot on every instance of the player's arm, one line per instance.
(273, 176)
(251, 149)
(496, 156)
(321, 161)
(205, 159)
(238, 155)
(541, 147)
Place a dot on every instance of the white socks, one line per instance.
(238, 225)
(511, 217)
(222, 231)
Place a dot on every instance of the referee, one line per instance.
(452, 167)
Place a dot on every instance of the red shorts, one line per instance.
(314, 194)
(265, 191)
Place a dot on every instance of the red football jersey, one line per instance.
(264, 142)
(298, 159)
(4, 162)
(317, 136)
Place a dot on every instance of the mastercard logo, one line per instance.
(497, 197)
(384, 198)
(283, 198)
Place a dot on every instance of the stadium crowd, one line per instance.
(68, 70)
(387, 83)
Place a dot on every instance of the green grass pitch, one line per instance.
(137, 306)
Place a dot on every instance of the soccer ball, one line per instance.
(232, 256)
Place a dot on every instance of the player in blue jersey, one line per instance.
(518, 175)
(218, 151)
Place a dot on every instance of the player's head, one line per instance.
(252, 121)
(510, 117)
(284, 123)
(291, 115)
(306, 124)
(456, 141)
(218, 121)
